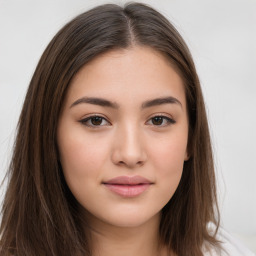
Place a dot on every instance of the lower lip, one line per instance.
(128, 190)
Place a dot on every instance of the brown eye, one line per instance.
(96, 120)
(157, 120)
(161, 121)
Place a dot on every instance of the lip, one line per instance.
(127, 186)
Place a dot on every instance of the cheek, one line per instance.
(82, 160)
(170, 153)
(81, 156)
(168, 160)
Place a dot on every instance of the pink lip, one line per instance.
(128, 186)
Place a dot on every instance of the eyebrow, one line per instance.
(160, 101)
(96, 101)
(106, 103)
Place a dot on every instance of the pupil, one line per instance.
(96, 120)
(157, 120)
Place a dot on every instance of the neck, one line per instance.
(109, 240)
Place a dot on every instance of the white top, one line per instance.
(231, 246)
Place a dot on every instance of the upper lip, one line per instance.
(128, 180)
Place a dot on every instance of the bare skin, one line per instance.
(116, 241)
(137, 127)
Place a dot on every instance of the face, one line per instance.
(122, 136)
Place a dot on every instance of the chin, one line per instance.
(130, 219)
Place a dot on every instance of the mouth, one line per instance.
(126, 186)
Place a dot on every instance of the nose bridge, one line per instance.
(129, 149)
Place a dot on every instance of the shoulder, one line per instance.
(230, 245)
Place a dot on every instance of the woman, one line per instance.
(113, 154)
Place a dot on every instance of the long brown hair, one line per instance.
(40, 216)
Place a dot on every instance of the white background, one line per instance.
(222, 37)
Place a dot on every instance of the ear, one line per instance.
(186, 156)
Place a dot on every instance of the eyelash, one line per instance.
(84, 121)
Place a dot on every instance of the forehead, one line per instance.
(135, 73)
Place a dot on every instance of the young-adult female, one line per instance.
(112, 154)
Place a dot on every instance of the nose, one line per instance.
(129, 148)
